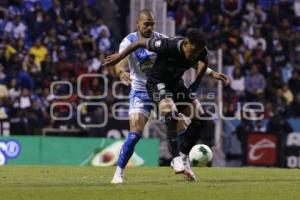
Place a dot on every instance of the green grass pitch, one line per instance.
(92, 183)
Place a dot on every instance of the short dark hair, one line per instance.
(196, 37)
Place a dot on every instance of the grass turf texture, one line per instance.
(92, 183)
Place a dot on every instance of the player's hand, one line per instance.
(112, 60)
(220, 76)
(125, 78)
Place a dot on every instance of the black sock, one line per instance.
(191, 135)
(173, 139)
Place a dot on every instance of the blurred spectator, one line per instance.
(51, 39)
(3, 76)
(104, 43)
(39, 51)
(279, 102)
(274, 81)
(287, 94)
(255, 83)
(280, 55)
(231, 8)
(87, 12)
(237, 82)
(172, 7)
(16, 28)
(259, 40)
(275, 15)
(55, 11)
(185, 18)
(254, 14)
(230, 102)
(99, 28)
(25, 80)
(25, 99)
(30, 66)
(95, 63)
(14, 91)
(269, 110)
(278, 124)
(3, 92)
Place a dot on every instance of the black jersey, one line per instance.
(171, 63)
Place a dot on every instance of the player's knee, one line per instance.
(137, 122)
(166, 104)
(136, 127)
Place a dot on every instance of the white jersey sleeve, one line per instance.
(125, 43)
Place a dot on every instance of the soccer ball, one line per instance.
(200, 155)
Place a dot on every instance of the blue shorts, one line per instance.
(140, 103)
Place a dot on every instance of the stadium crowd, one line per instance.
(51, 40)
(260, 40)
(46, 41)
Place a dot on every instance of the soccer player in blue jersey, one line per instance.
(138, 61)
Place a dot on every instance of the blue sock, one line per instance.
(128, 148)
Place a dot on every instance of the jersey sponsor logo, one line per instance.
(261, 149)
(157, 43)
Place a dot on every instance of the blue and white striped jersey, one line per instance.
(140, 61)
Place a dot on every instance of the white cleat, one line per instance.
(178, 165)
(188, 174)
(117, 180)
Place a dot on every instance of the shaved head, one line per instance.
(145, 14)
(145, 23)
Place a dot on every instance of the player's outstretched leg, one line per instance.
(187, 140)
(125, 154)
(177, 163)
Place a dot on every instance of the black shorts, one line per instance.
(177, 91)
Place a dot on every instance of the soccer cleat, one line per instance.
(117, 180)
(188, 174)
(178, 165)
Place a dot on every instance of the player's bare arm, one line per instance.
(122, 73)
(202, 68)
(220, 76)
(117, 57)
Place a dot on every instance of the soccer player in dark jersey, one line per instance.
(165, 85)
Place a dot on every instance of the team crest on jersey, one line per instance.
(146, 66)
(157, 43)
(160, 86)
